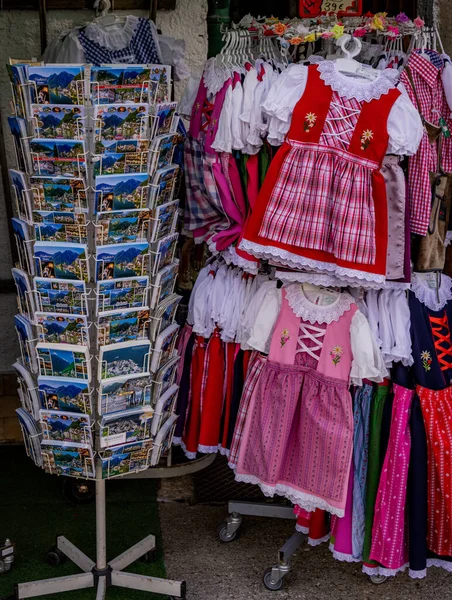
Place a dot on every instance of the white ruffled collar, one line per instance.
(358, 88)
(214, 77)
(315, 313)
(111, 38)
(434, 299)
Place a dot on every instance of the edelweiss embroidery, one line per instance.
(285, 337)
(426, 358)
(336, 355)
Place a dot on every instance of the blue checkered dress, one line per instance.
(142, 48)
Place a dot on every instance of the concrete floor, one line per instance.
(216, 571)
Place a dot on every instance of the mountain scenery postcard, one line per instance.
(114, 163)
(24, 244)
(68, 458)
(63, 426)
(59, 328)
(164, 378)
(58, 157)
(18, 128)
(162, 151)
(163, 118)
(120, 192)
(117, 227)
(121, 146)
(110, 85)
(164, 283)
(126, 459)
(165, 220)
(57, 85)
(123, 326)
(124, 393)
(165, 249)
(128, 358)
(121, 121)
(64, 393)
(164, 407)
(24, 328)
(63, 261)
(59, 121)
(61, 231)
(161, 74)
(163, 184)
(55, 360)
(125, 427)
(59, 295)
(59, 194)
(121, 260)
(122, 293)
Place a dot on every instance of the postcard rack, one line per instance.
(96, 233)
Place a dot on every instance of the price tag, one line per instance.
(313, 8)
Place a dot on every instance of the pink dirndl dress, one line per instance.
(298, 435)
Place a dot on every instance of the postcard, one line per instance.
(164, 283)
(25, 334)
(27, 390)
(32, 435)
(165, 220)
(121, 121)
(119, 192)
(65, 393)
(117, 163)
(164, 249)
(62, 261)
(59, 121)
(121, 260)
(114, 294)
(164, 408)
(24, 244)
(164, 347)
(163, 185)
(25, 300)
(162, 151)
(163, 440)
(163, 117)
(117, 227)
(126, 426)
(64, 360)
(18, 128)
(22, 193)
(58, 157)
(58, 328)
(115, 84)
(18, 78)
(57, 85)
(60, 194)
(121, 146)
(69, 227)
(165, 376)
(60, 295)
(123, 393)
(128, 358)
(68, 458)
(161, 74)
(63, 426)
(126, 459)
(123, 326)
(165, 314)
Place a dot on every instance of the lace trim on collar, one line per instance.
(432, 298)
(360, 89)
(214, 77)
(313, 313)
(113, 39)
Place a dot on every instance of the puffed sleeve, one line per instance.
(223, 137)
(385, 327)
(264, 323)
(367, 359)
(401, 324)
(404, 126)
(285, 92)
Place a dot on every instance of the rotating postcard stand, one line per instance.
(97, 572)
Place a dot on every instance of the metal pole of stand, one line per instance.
(101, 527)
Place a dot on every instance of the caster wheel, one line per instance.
(269, 584)
(149, 557)
(79, 491)
(223, 534)
(378, 579)
(55, 557)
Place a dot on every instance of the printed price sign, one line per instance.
(313, 8)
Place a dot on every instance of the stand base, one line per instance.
(102, 579)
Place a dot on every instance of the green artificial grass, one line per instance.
(33, 512)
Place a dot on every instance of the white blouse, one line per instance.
(404, 123)
(367, 361)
